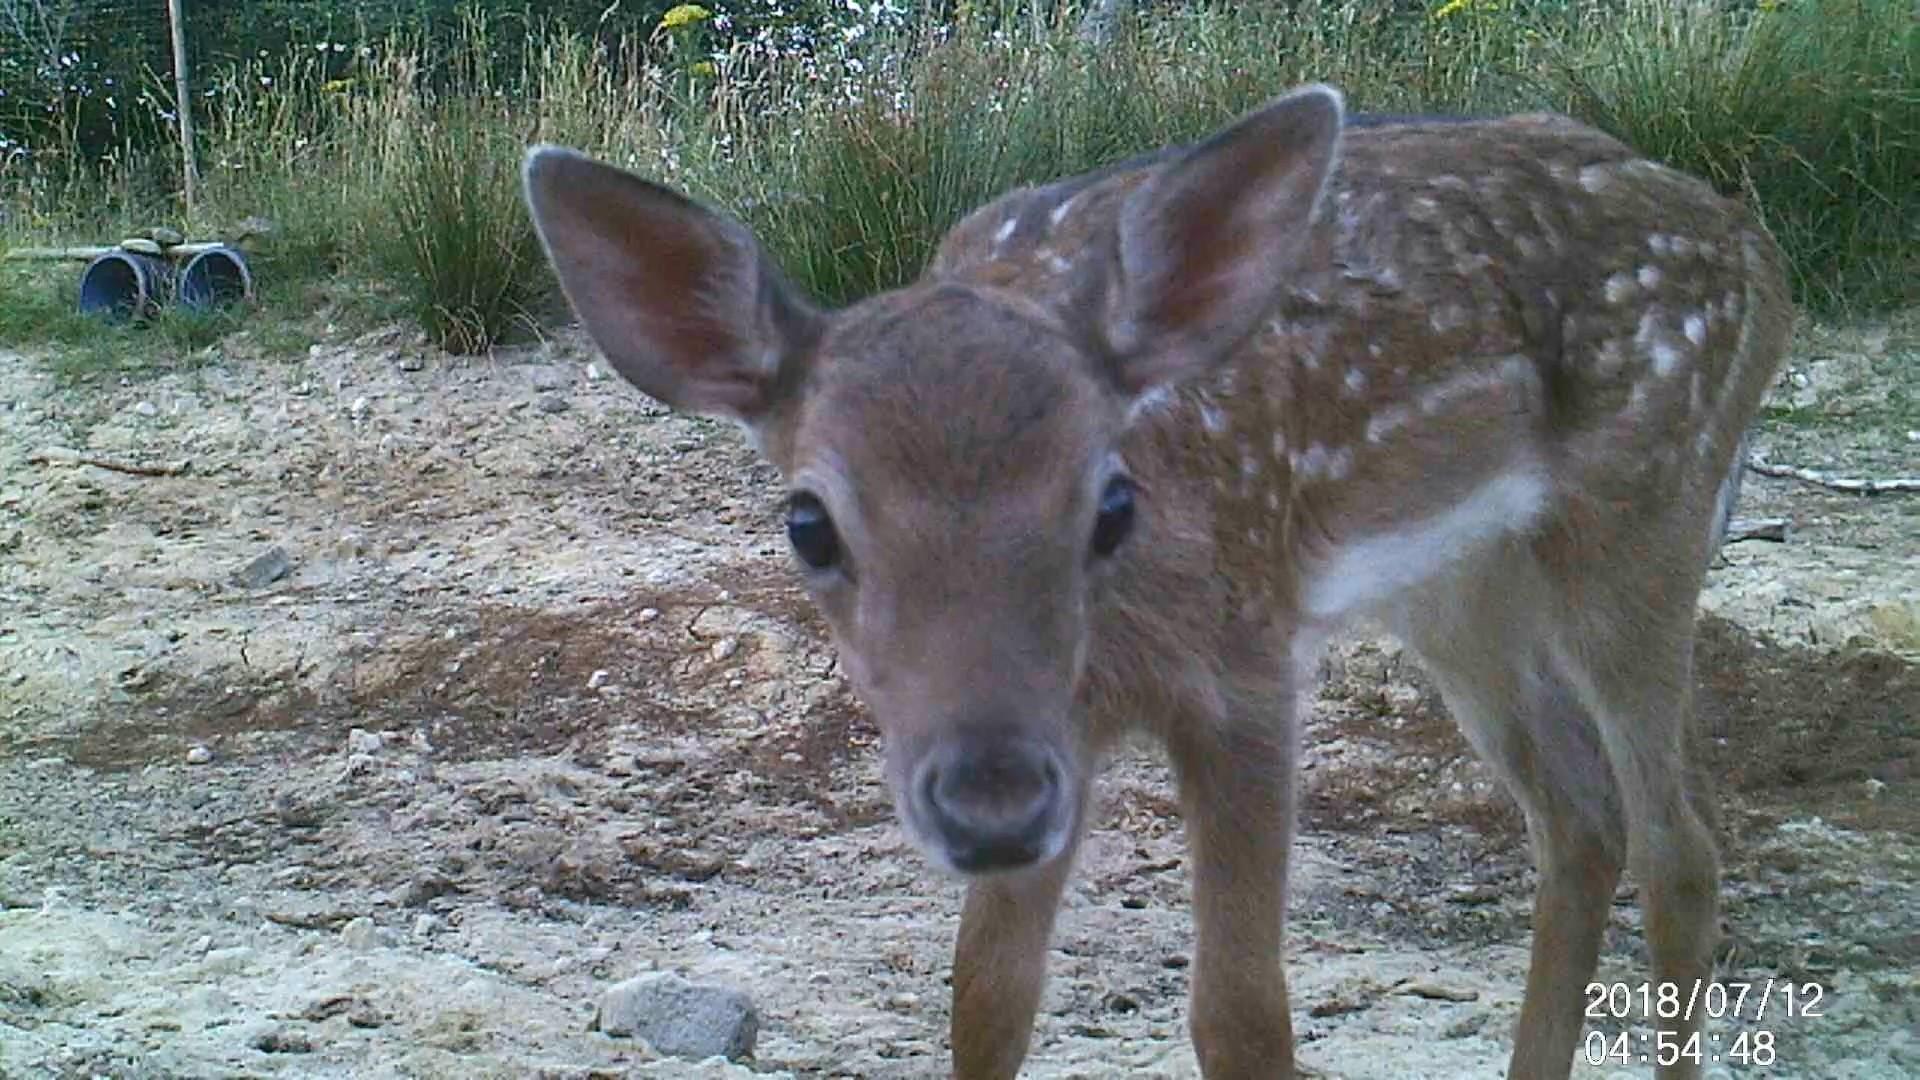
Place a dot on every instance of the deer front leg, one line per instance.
(1236, 787)
(1000, 966)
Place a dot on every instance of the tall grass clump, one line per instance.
(1808, 108)
(442, 223)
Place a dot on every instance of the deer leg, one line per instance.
(1526, 721)
(1236, 789)
(1638, 683)
(1000, 967)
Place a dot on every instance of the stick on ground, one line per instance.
(60, 456)
(1849, 484)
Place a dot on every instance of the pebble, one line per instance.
(648, 614)
(412, 362)
(598, 679)
(551, 403)
(146, 408)
(266, 568)
(725, 648)
(362, 741)
(359, 406)
(679, 1018)
(199, 755)
(360, 934)
(904, 1001)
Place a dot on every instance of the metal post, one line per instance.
(183, 105)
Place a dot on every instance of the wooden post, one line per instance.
(183, 106)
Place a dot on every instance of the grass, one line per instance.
(396, 189)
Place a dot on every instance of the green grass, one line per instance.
(396, 190)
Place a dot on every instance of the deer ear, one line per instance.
(1205, 245)
(683, 302)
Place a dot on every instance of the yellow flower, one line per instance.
(1451, 7)
(684, 15)
(336, 86)
(702, 68)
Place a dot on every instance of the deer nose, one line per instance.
(995, 802)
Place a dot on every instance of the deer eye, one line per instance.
(811, 531)
(1115, 521)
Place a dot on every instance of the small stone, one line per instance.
(359, 406)
(648, 614)
(227, 961)
(146, 408)
(424, 888)
(266, 568)
(426, 925)
(283, 1041)
(1437, 992)
(199, 755)
(362, 741)
(547, 378)
(725, 648)
(679, 1018)
(904, 1001)
(594, 374)
(598, 679)
(412, 362)
(360, 934)
(552, 403)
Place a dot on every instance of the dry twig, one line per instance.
(60, 456)
(1849, 484)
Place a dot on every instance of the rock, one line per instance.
(412, 362)
(547, 378)
(553, 403)
(283, 1041)
(679, 1018)
(360, 934)
(649, 614)
(594, 374)
(199, 755)
(425, 888)
(426, 925)
(725, 648)
(268, 567)
(227, 961)
(359, 406)
(598, 679)
(147, 408)
(362, 741)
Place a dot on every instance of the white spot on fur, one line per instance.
(1659, 244)
(1356, 380)
(1005, 232)
(1649, 276)
(1362, 574)
(1387, 421)
(1059, 213)
(1212, 418)
(1681, 246)
(1445, 317)
(1619, 288)
(1593, 178)
(1695, 327)
(1279, 446)
(1151, 401)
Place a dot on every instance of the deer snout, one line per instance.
(993, 802)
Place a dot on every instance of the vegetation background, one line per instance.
(381, 137)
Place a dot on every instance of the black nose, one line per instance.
(993, 800)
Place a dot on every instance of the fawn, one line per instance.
(1137, 442)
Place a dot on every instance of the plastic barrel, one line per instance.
(122, 285)
(215, 277)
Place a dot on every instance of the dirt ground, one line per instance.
(535, 707)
